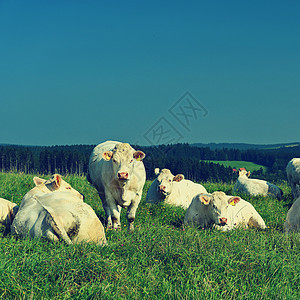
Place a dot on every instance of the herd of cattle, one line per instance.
(56, 211)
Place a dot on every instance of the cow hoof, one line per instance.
(130, 228)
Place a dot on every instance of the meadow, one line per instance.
(160, 260)
(248, 165)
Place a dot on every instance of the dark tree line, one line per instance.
(45, 160)
(179, 158)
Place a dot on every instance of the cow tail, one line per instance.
(281, 193)
(58, 230)
(88, 177)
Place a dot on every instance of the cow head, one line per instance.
(243, 172)
(55, 184)
(165, 180)
(123, 157)
(217, 205)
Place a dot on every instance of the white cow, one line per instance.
(8, 212)
(117, 172)
(292, 222)
(255, 187)
(293, 175)
(54, 184)
(222, 212)
(56, 211)
(174, 190)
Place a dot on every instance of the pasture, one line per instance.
(248, 165)
(160, 260)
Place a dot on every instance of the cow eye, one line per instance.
(131, 161)
(68, 187)
(170, 180)
(114, 160)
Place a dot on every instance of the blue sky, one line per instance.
(147, 72)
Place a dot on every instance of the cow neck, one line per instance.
(122, 187)
(245, 205)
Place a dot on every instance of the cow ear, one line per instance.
(139, 155)
(38, 181)
(57, 181)
(178, 177)
(107, 155)
(156, 171)
(248, 173)
(205, 199)
(234, 200)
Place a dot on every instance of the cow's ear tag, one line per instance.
(107, 155)
(139, 155)
(205, 200)
(234, 200)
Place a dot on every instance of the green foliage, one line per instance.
(160, 260)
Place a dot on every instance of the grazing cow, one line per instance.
(8, 212)
(255, 187)
(222, 212)
(292, 222)
(293, 175)
(117, 172)
(56, 211)
(174, 190)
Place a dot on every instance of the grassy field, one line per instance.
(160, 260)
(249, 166)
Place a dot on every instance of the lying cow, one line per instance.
(222, 212)
(292, 222)
(8, 212)
(56, 211)
(293, 176)
(54, 184)
(174, 190)
(117, 172)
(255, 187)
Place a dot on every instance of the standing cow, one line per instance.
(56, 211)
(174, 190)
(222, 212)
(255, 187)
(117, 172)
(293, 175)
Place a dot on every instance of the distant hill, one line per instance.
(244, 146)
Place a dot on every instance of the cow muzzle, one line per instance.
(223, 221)
(123, 175)
(162, 190)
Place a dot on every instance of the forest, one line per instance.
(179, 158)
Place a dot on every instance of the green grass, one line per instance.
(249, 166)
(160, 260)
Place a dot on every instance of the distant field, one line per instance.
(249, 166)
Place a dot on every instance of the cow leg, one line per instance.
(113, 211)
(116, 217)
(106, 209)
(131, 214)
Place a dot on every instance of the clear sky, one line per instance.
(149, 72)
